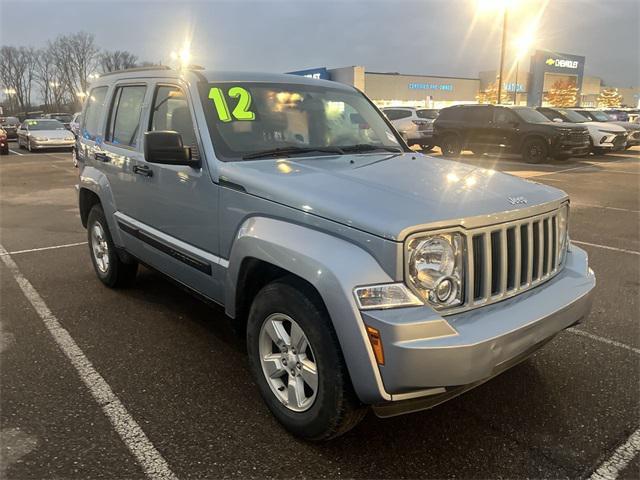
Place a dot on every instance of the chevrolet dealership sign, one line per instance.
(567, 66)
(562, 63)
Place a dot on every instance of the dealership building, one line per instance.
(523, 86)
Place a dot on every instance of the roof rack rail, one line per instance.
(136, 69)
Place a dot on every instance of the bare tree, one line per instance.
(117, 60)
(76, 56)
(17, 70)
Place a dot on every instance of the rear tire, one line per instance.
(451, 146)
(331, 408)
(110, 269)
(534, 151)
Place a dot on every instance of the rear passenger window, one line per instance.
(398, 114)
(171, 112)
(503, 115)
(478, 114)
(124, 120)
(93, 113)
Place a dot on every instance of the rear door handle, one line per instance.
(142, 170)
(102, 157)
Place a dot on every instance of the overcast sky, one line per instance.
(437, 37)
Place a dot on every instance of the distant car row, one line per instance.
(54, 130)
(536, 134)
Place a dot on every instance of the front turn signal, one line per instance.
(376, 344)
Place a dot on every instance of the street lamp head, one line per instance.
(524, 42)
(495, 5)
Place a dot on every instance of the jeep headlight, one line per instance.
(563, 232)
(435, 268)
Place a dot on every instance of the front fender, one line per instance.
(334, 267)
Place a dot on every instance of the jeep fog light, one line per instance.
(392, 295)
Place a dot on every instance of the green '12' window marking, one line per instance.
(241, 110)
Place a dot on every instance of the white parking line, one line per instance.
(44, 248)
(151, 461)
(612, 467)
(608, 341)
(17, 153)
(606, 247)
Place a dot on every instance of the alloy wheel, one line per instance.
(288, 362)
(99, 247)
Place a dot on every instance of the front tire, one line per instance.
(534, 151)
(297, 363)
(111, 270)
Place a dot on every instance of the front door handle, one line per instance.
(102, 157)
(142, 170)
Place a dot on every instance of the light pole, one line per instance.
(505, 16)
(523, 44)
(503, 6)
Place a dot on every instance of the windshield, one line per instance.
(572, 116)
(9, 121)
(248, 118)
(599, 116)
(530, 115)
(44, 125)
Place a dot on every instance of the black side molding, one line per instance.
(164, 248)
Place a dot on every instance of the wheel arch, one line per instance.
(86, 200)
(266, 249)
(534, 136)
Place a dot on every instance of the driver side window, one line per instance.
(171, 112)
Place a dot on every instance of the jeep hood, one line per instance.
(387, 194)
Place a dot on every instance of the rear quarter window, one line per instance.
(397, 114)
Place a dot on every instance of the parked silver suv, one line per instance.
(414, 124)
(364, 274)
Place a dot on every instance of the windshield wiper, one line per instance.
(367, 147)
(286, 151)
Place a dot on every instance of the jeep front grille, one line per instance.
(506, 259)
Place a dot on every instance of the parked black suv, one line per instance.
(10, 126)
(523, 130)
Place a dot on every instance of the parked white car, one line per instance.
(414, 124)
(605, 137)
(39, 133)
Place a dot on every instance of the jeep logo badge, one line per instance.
(517, 200)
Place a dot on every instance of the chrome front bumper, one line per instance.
(427, 354)
(52, 144)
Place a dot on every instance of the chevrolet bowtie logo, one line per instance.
(550, 61)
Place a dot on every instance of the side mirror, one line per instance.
(166, 147)
(557, 120)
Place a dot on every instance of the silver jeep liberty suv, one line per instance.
(364, 275)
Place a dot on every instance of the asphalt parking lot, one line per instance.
(176, 369)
